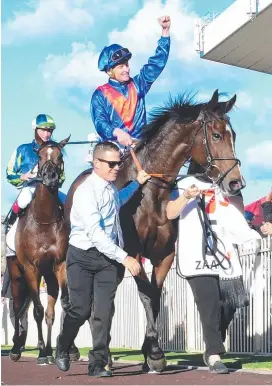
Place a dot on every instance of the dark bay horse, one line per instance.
(179, 131)
(41, 242)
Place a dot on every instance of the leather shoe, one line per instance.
(61, 358)
(99, 372)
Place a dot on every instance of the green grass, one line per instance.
(236, 361)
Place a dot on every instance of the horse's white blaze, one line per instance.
(233, 148)
(49, 152)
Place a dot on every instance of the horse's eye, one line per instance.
(216, 136)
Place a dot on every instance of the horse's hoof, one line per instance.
(14, 356)
(156, 366)
(145, 368)
(74, 357)
(42, 361)
(109, 367)
(51, 360)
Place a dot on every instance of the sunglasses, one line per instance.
(111, 164)
(122, 53)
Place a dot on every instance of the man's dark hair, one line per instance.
(105, 146)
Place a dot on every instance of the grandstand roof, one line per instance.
(241, 36)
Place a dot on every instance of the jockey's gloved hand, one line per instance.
(122, 137)
(27, 176)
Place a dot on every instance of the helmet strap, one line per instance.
(111, 73)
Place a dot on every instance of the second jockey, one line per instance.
(23, 165)
(118, 107)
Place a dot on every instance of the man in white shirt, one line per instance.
(94, 253)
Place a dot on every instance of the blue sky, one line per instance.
(49, 65)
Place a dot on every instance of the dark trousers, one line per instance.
(91, 277)
(215, 319)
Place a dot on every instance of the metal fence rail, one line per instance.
(178, 323)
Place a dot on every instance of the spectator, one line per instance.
(266, 227)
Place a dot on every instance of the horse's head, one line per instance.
(213, 146)
(50, 162)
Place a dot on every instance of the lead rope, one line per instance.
(206, 227)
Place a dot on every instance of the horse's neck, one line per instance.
(45, 203)
(168, 152)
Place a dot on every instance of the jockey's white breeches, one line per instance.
(26, 196)
(27, 193)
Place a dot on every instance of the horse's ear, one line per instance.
(64, 142)
(223, 108)
(213, 102)
(230, 104)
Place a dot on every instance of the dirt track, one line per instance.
(26, 372)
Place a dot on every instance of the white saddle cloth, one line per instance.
(10, 237)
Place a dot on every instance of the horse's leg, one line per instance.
(159, 274)
(33, 278)
(19, 291)
(152, 352)
(74, 353)
(52, 291)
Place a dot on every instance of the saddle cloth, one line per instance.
(10, 239)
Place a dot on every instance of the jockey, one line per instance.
(23, 165)
(118, 107)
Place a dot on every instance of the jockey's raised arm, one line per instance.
(118, 107)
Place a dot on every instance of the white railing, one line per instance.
(178, 324)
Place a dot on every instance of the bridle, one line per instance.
(210, 159)
(58, 170)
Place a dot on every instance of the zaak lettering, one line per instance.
(202, 264)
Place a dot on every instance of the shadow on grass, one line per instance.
(231, 361)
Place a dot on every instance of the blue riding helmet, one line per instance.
(249, 215)
(113, 55)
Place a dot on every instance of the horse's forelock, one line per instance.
(52, 144)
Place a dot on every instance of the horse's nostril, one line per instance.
(235, 185)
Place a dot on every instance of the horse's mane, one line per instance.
(181, 109)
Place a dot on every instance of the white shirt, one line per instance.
(95, 216)
(226, 221)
